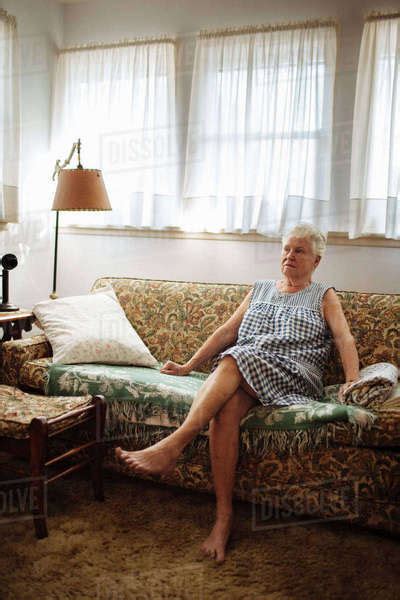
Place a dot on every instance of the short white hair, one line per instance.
(312, 233)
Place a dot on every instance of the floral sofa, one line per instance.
(332, 471)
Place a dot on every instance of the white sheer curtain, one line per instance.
(260, 130)
(120, 101)
(9, 118)
(375, 160)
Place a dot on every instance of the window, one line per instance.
(375, 162)
(9, 118)
(260, 129)
(120, 101)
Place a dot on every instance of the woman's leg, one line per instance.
(224, 447)
(217, 389)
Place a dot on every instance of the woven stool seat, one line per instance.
(18, 408)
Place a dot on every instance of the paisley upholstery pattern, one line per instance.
(17, 409)
(34, 374)
(373, 320)
(16, 352)
(358, 485)
(174, 318)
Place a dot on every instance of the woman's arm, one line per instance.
(342, 336)
(222, 337)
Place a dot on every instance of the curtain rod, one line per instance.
(164, 39)
(379, 16)
(5, 16)
(312, 24)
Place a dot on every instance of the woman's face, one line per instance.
(298, 258)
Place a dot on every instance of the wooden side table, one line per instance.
(14, 323)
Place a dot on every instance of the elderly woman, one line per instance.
(272, 351)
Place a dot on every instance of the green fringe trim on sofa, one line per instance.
(123, 415)
(256, 443)
(259, 442)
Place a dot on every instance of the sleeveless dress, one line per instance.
(283, 344)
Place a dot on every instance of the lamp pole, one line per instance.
(53, 294)
(75, 147)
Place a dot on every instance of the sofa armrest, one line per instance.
(16, 352)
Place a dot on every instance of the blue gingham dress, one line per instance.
(283, 344)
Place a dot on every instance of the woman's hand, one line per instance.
(343, 388)
(172, 368)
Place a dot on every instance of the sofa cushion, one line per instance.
(18, 408)
(163, 401)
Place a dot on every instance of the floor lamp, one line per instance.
(77, 189)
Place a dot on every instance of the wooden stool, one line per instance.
(28, 422)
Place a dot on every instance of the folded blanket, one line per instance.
(373, 387)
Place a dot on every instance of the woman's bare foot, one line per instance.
(214, 546)
(159, 459)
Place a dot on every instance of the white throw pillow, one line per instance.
(91, 329)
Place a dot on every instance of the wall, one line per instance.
(206, 260)
(83, 258)
(87, 257)
(40, 30)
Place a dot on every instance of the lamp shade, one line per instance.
(81, 189)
